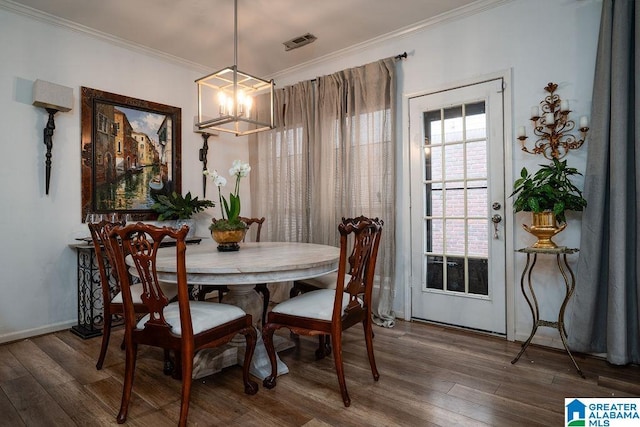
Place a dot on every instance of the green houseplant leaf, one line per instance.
(548, 189)
(175, 206)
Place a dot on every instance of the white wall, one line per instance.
(37, 268)
(538, 41)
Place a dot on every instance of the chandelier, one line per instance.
(232, 101)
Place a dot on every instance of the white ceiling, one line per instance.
(201, 31)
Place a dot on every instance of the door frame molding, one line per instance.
(404, 219)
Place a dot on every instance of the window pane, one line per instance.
(455, 199)
(478, 233)
(453, 124)
(476, 120)
(478, 276)
(433, 127)
(433, 163)
(476, 159)
(433, 201)
(454, 162)
(477, 204)
(434, 236)
(455, 274)
(455, 236)
(434, 272)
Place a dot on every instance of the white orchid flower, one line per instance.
(219, 181)
(240, 169)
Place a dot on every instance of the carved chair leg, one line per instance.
(187, 370)
(368, 337)
(106, 334)
(127, 387)
(337, 356)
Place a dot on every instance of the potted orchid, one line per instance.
(229, 230)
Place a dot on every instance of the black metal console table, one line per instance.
(90, 306)
(570, 284)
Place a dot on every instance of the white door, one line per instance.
(457, 207)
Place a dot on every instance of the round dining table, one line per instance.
(240, 271)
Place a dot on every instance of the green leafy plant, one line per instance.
(230, 209)
(175, 206)
(549, 189)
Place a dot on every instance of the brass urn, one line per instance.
(544, 227)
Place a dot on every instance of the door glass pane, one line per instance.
(455, 199)
(477, 200)
(454, 236)
(477, 230)
(453, 161)
(433, 163)
(434, 232)
(433, 200)
(478, 276)
(476, 159)
(453, 124)
(434, 272)
(455, 274)
(475, 120)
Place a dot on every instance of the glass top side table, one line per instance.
(570, 284)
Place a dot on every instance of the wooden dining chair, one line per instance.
(331, 311)
(110, 286)
(185, 326)
(261, 287)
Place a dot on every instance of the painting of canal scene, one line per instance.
(130, 153)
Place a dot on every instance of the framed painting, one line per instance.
(130, 152)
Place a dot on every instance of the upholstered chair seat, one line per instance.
(204, 315)
(314, 305)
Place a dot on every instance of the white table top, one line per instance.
(262, 262)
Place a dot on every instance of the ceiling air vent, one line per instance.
(299, 41)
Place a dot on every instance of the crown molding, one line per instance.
(456, 14)
(109, 38)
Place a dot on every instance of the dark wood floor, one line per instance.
(429, 376)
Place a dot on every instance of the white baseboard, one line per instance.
(27, 333)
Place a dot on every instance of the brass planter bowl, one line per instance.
(228, 239)
(544, 226)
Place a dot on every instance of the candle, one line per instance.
(521, 132)
(535, 112)
(584, 121)
(564, 105)
(548, 119)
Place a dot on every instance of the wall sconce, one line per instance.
(552, 127)
(53, 98)
(202, 154)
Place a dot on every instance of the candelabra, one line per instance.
(552, 127)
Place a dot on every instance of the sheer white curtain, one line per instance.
(338, 134)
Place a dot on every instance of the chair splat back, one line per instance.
(362, 260)
(141, 242)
